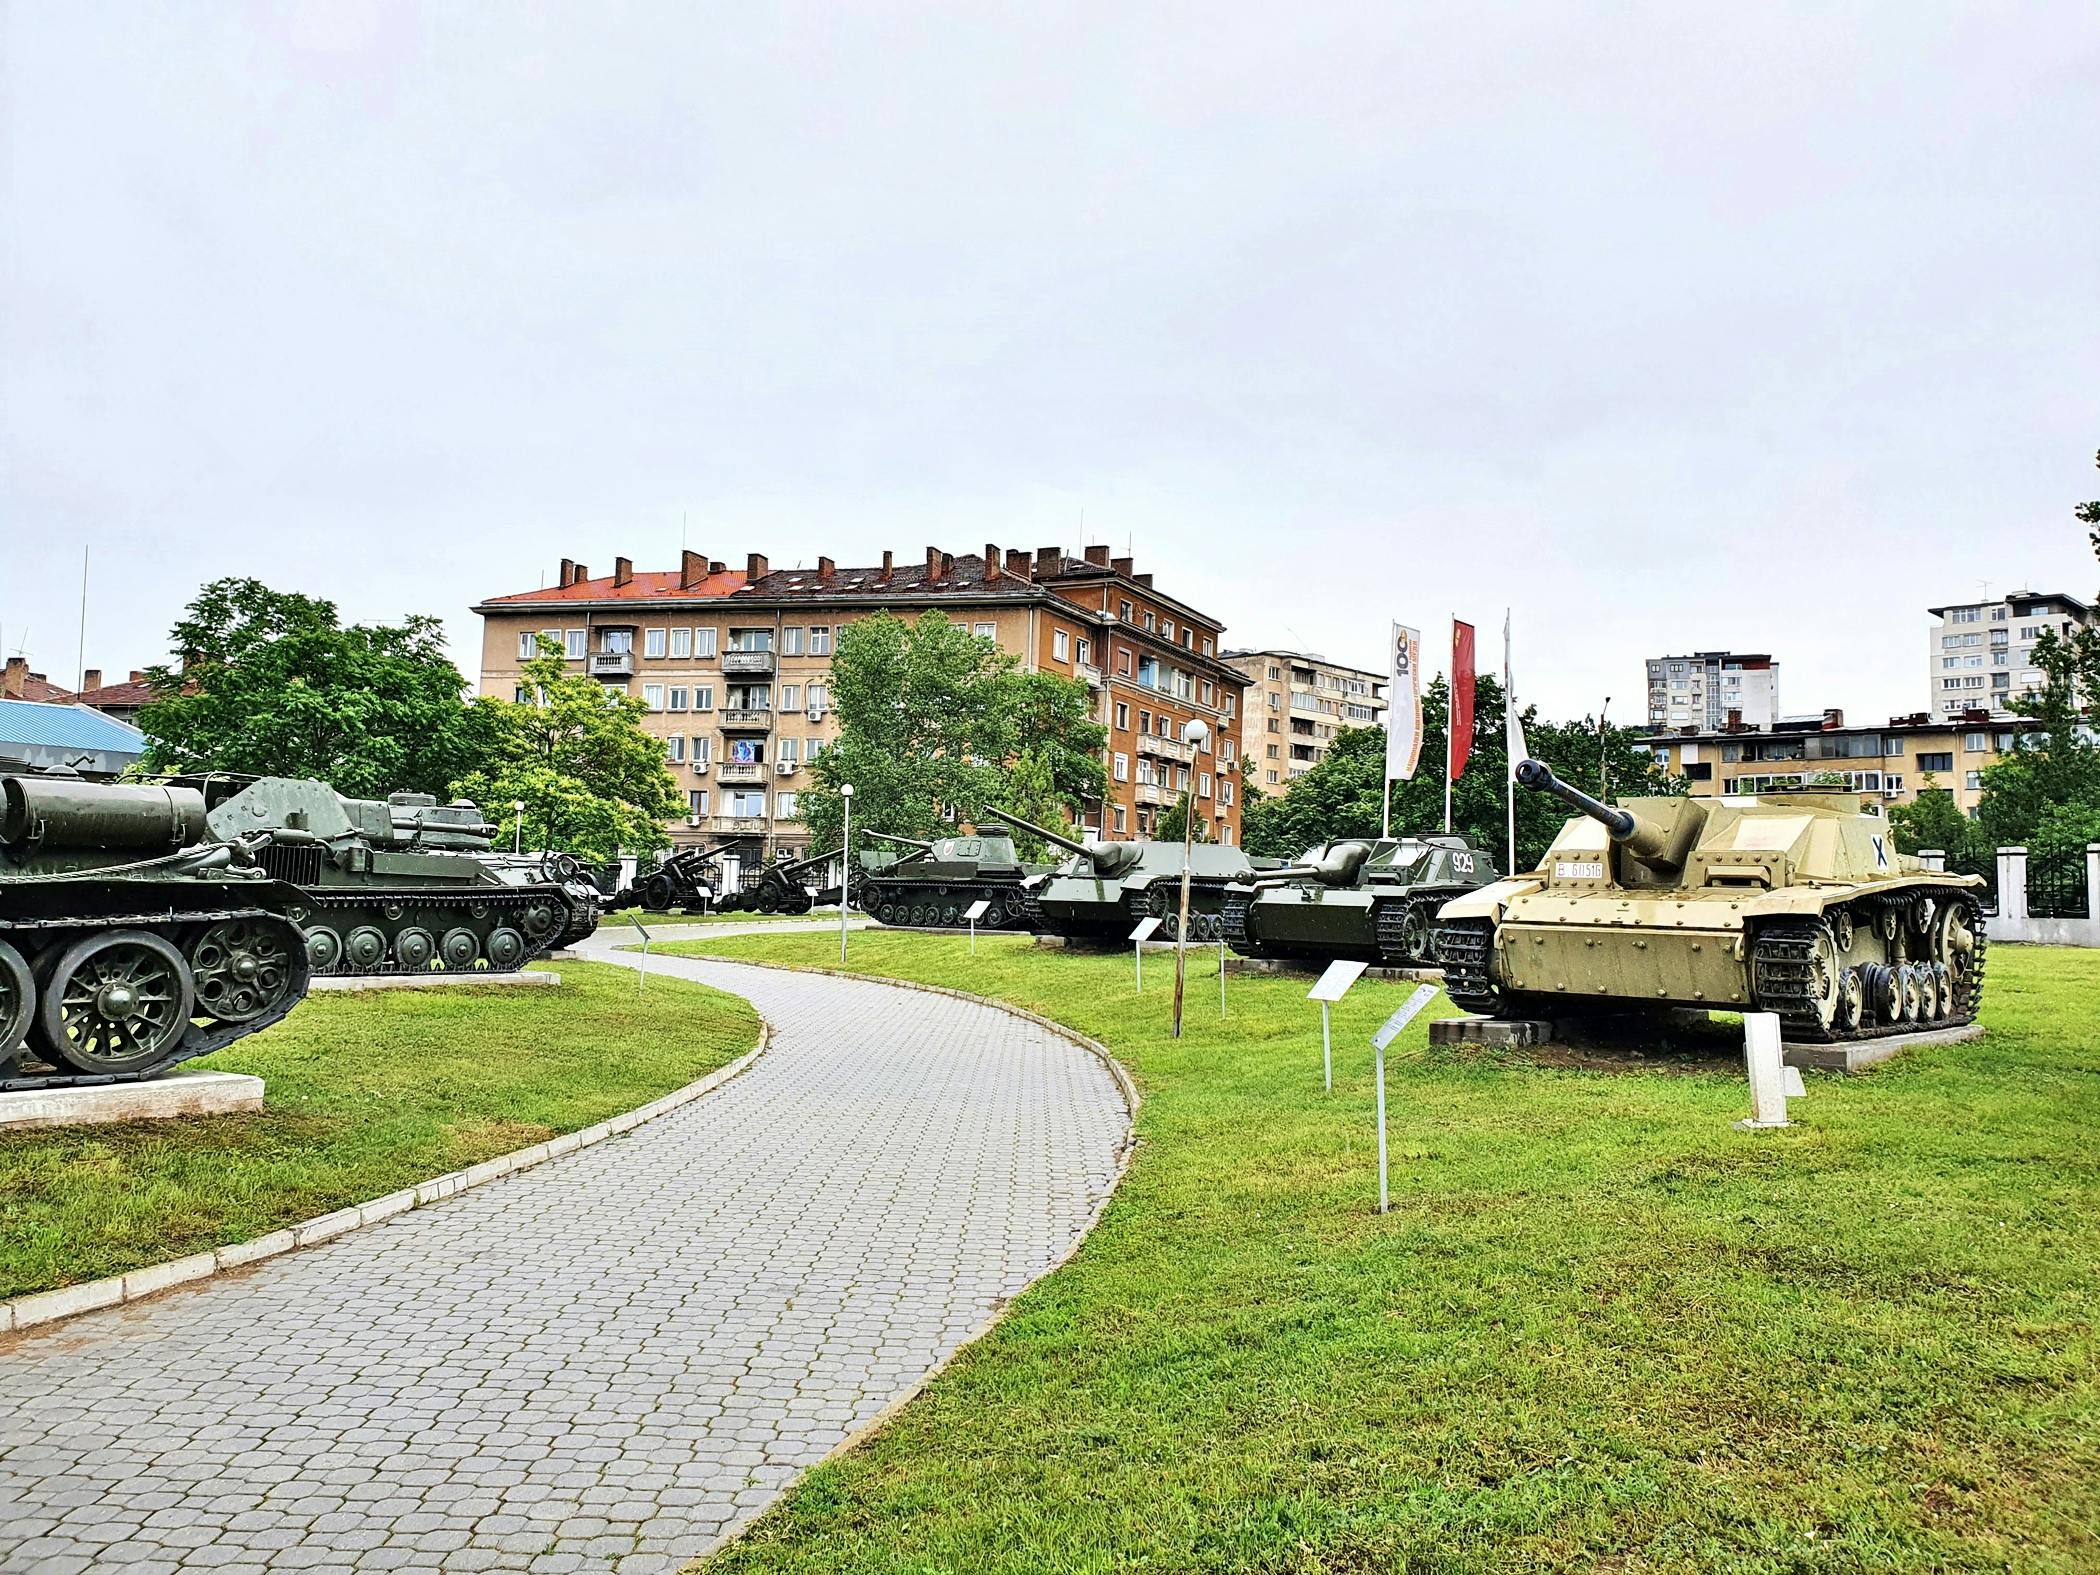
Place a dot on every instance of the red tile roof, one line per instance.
(127, 696)
(646, 585)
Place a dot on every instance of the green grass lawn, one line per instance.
(627, 916)
(366, 1093)
(1598, 1330)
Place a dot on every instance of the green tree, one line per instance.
(2057, 763)
(272, 683)
(936, 722)
(593, 782)
(2089, 515)
(1173, 822)
(1933, 820)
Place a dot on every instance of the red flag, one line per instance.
(1461, 696)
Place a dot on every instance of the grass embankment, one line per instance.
(1598, 1330)
(366, 1093)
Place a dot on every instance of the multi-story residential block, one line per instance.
(1296, 703)
(1980, 655)
(1888, 763)
(735, 667)
(1705, 688)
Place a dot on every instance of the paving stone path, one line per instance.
(607, 1363)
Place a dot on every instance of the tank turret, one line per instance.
(1105, 859)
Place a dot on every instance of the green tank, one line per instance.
(1105, 889)
(1794, 903)
(132, 937)
(404, 886)
(1374, 900)
(934, 885)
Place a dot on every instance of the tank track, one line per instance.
(1391, 916)
(1465, 950)
(1232, 915)
(1782, 973)
(348, 911)
(202, 1038)
(928, 908)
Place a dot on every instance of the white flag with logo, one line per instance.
(1403, 717)
(1513, 723)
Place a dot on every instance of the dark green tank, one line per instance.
(934, 885)
(1105, 889)
(404, 886)
(132, 937)
(1373, 900)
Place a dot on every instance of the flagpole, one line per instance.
(1450, 729)
(1510, 729)
(1385, 828)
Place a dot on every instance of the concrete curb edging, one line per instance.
(45, 1307)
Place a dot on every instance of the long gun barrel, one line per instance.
(811, 862)
(1057, 839)
(893, 836)
(1644, 840)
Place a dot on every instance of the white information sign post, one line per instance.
(1423, 995)
(1332, 986)
(973, 913)
(1772, 1081)
(1138, 937)
(641, 974)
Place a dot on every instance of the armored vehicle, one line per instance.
(684, 880)
(934, 885)
(1369, 899)
(1106, 888)
(1794, 903)
(404, 886)
(778, 888)
(131, 937)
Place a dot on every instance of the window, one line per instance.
(681, 642)
(1997, 615)
(747, 697)
(653, 641)
(784, 805)
(1275, 752)
(528, 644)
(1122, 769)
(703, 749)
(790, 697)
(518, 693)
(1272, 778)
(1967, 614)
(790, 751)
(820, 640)
(695, 805)
(1207, 646)
(674, 748)
(814, 749)
(1232, 704)
(1165, 725)
(791, 641)
(573, 643)
(1085, 656)
(618, 642)
(1119, 817)
(1060, 646)
(1936, 762)
(1148, 620)
(986, 631)
(1203, 784)
(1123, 664)
(819, 699)
(653, 696)
(703, 642)
(1144, 721)
(1975, 781)
(1275, 701)
(751, 639)
(704, 698)
(1122, 717)
(1225, 794)
(748, 803)
(1166, 628)
(1699, 770)
(1123, 612)
(679, 699)
(1976, 743)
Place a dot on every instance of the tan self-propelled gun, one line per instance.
(1794, 903)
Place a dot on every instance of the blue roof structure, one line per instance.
(44, 735)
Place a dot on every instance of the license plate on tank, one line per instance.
(1578, 869)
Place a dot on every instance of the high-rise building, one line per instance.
(1713, 688)
(734, 664)
(1296, 703)
(1980, 655)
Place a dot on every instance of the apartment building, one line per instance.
(1296, 702)
(1706, 688)
(1980, 655)
(734, 664)
(1885, 764)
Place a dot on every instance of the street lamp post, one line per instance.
(845, 864)
(518, 808)
(1195, 735)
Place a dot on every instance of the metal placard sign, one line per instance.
(1144, 930)
(976, 909)
(1423, 995)
(1335, 982)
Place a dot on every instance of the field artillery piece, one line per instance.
(935, 885)
(777, 888)
(682, 882)
(1105, 889)
(131, 937)
(1792, 903)
(1371, 900)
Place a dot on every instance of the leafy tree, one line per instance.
(592, 781)
(935, 722)
(1173, 822)
(1933, 820)
(2089, 515)
(2056, 764)
(273, 684)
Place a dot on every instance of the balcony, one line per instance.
(747, 721)
(747, 664)
(1157, 794)
(1089, 674)
(737, 825)
(614, 666)
(743, 772)
(1167, 749)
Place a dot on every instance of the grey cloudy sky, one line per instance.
(1757, 326)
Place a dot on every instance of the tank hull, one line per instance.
(1386, 914)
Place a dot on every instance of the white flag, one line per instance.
(1403, 716)
(1513, 723)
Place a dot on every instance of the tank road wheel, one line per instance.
(886, 913)
(1841, 930)
(951, 915)
(537, 919)
(1943, 991)
(1913, 996)
(1929, 1009)
(506, 950)
(1884, 991)
(17, 1000)
(324, 948)
(459, 949)
(240, 969)
(1852, 1000)
(414, 947)
(364, 948)
(1414, 932)
(115, 1002)
(1888, 922)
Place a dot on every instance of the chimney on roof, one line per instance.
(1017, 562)
(568, 571)
(1144, 580)
(17, 677)
(826, 569)
(1047, 560)
(991, 561)
(755, 567)
(933, 564)
(1098, 555)
(582, 573)
(716, 565)
(623, 571)
(1123, 566)
(889, 566)
(91, 679)
(692, 569)
(137, 677)
(1735, 719)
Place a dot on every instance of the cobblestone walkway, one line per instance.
(606, 1363)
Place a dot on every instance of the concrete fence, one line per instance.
(2013, 922)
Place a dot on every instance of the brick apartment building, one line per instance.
(1296, 703)
(734, 664)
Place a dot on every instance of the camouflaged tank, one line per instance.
(405, 886)
(1794, 903)
(934, 885)
(1372, 900)
(1105, 889)
(132, 938)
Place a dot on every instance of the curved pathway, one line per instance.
(609, 1362)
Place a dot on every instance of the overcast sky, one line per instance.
(1673, 326)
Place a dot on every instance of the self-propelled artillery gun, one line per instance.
(935, 884)
(132, 937)
(1105, 889)
(1795, 903)
(1372, 900)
